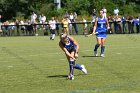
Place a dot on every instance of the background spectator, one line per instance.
(71, 17)
(105, 11)
(22, 27)
(12, 28)
(117, 25)
(52, 25)
(116, 11)
(85, 26)
(66, 14)
(43, 20)
(93, 15)
(33, 18)
(124, 24)
(17, 25)
(65, 23)
(136, 23)
(110, 20)
(75, 25)
(130, 24)
(6, 24)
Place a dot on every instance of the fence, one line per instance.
(116, 27)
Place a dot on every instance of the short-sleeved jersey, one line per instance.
(70, 46)
(136, 21)
(101, 25)
(52, 24)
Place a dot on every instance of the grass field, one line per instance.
(37, 65)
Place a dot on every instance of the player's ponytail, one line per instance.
(63, 35)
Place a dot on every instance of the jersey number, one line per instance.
(101, 25)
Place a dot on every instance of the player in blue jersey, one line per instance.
(70, 46)
(100, 27)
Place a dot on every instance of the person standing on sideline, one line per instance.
(85, 26)
(52, 25)
(75, 25)
(71, 17)
(116, 11)
(105, 11)
(70, 47)
(43, 20)
(136, 23)
(65, 23)
(100, 27)
(33, 18)
(93, 15)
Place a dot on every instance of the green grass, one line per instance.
(37, 65)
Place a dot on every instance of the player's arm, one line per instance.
(95, 25)
(75, 43)
(65, 50)
(62, 21)
(107, 23)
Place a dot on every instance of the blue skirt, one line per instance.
(101, 35)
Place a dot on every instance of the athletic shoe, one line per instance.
(102, 55)
(84, 69)
(95, 53)
(71, 77)
(68, 77)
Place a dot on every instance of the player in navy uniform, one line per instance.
(100, 27)
(70, 46)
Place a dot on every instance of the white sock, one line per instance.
(50, 35)
(53, 35)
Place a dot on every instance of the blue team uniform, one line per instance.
(101, 28)
(70, 47)
(72, 65)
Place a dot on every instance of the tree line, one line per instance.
(10, 9)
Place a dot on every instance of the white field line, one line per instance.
(95, 90)
(10, 66)
(118, 53)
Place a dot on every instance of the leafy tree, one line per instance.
(77, 5)
(15, 8)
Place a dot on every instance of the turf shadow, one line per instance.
(57, 76)
(62, 76)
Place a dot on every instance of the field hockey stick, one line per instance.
(91, 34)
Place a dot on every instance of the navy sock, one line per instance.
(96, 47)
(102, 49)
(77, 67)
(71, 67)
